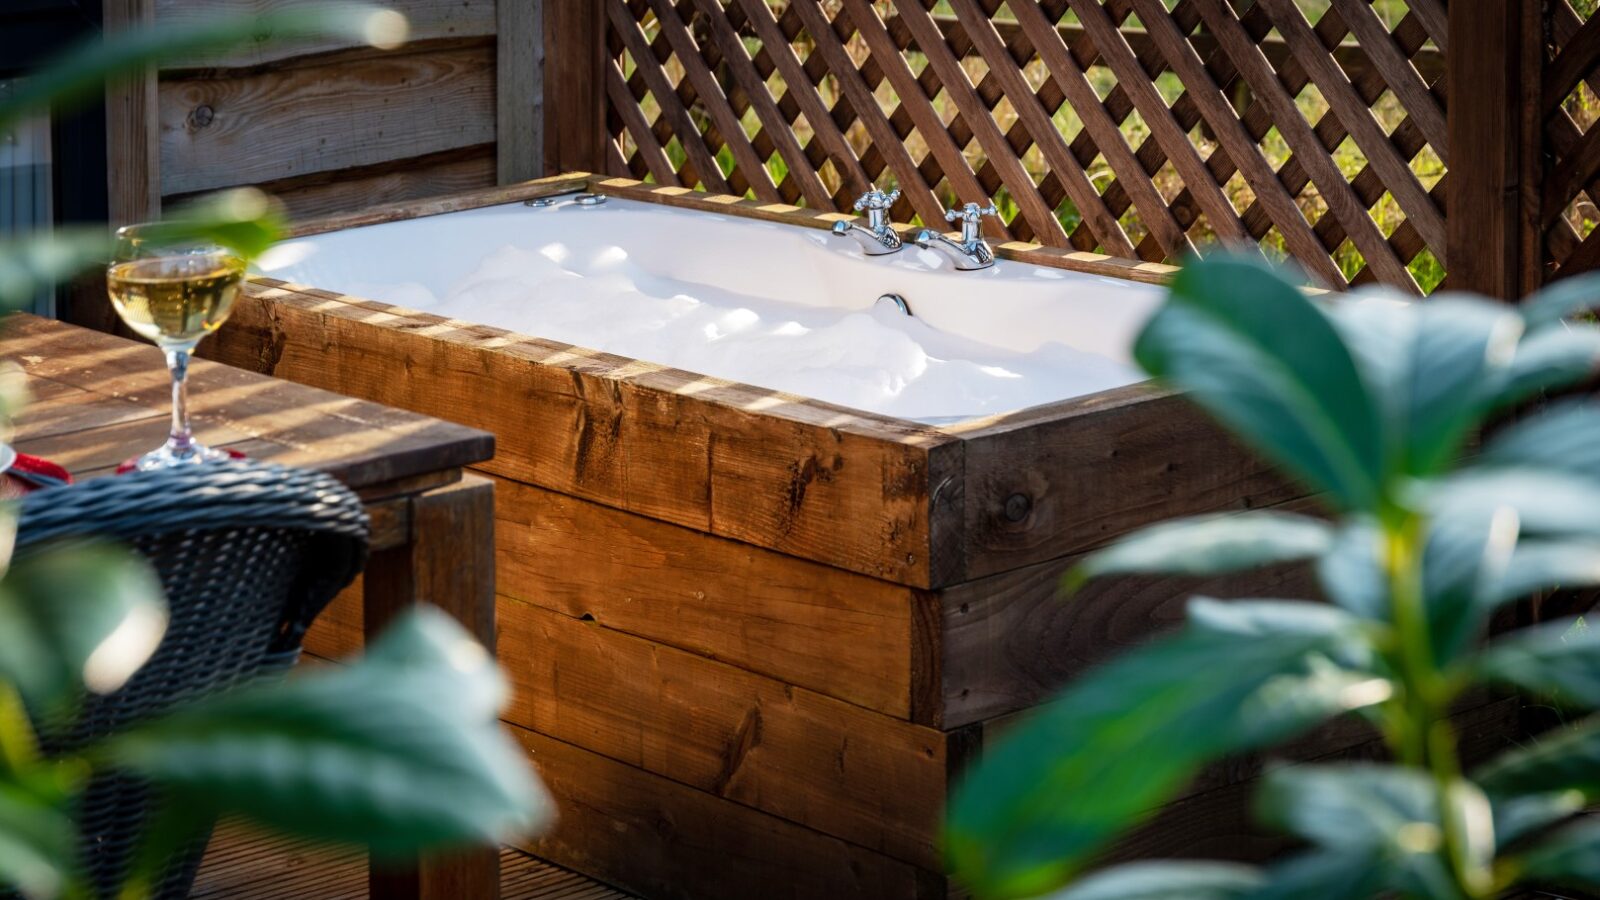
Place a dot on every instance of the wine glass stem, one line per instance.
(181, 439)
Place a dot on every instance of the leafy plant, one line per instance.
(1370, 402)
(401, 752)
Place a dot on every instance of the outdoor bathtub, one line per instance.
(753, 634)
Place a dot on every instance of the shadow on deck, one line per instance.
(242, 864)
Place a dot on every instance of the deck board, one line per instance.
(242, 864)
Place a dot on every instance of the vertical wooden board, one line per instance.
(575, 125)
(663, 840)
(519, 89)
(824, 483)
(250, 126)
(834, 632)
(1061, 479)
(133, 155)
(337, 632)
(842, 770)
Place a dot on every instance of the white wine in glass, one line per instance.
(174, 295)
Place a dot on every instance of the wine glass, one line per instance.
(173, 291)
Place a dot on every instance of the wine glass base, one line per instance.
(169, 456)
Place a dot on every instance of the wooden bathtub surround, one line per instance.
(754, 636)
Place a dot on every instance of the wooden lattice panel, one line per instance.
(1570, 108)
(1138, 128)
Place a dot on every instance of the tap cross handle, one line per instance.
(876, 204)
(970, 216)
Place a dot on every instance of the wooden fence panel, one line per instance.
(1138, 128)
(1568, 110)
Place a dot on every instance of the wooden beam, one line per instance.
(575, 116)
(133, 150)
(519, 89)
(1493, 73)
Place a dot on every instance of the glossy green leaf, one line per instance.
(1567, 297)
(1253, 350)
(80, 74)
(1387, 814)
(1351, 571)
(1539, 565)
(397, 751)
(1465, 558)
(1122, 738)
(1562, 436)
(1556, 659)
(38, 844)
(1434, 368)
(1555, 357)
(1353, 874)
(76, 617)
(35, 262)
(1568, 858)
(1206, 545)
(1178, 880)
(1520, 815)
(1546, 502)
(1564, 759)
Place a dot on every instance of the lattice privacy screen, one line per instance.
(1138, 128)
(1570, 106)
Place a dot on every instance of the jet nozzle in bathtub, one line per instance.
(877, 237)
(897, 301)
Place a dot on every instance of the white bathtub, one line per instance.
(773, 305)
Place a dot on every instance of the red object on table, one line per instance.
(30, 473)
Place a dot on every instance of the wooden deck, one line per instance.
(245, 865)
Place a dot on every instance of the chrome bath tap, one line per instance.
(877, 237)
(972, 251)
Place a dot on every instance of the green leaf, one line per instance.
(1165, 881)
(1569, 296)
(1558, 659)
(1351, 571)
(1325, 875)
(1562, 437)
(1559, 760)
(1521, 815)
(74, 617)
(243, 219)
(80, 73)
(1206, 545)
(38, 844)
(395, 751)
(1568, 858)
(1465, 558)
(1387, 814)
(1546, 502)
(1122, 738)
(1539, 565)
(1252, 349)
(1433, 368)
(1555, 357)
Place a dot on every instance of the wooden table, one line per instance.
(97, 400)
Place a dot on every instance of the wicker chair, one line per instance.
(248, 554)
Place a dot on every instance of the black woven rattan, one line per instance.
(249, 554)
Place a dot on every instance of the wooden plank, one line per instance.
(660, 838)
(1487, 204)
(276, 123)
(575, 118)
(133, 157)
(839, 769)
(322, 194)
(449, 563)
(519, 90)
(428, 20)
(433, 206)
(801, 477)
(1065, 477)
(833, 632)
(1012, 640)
